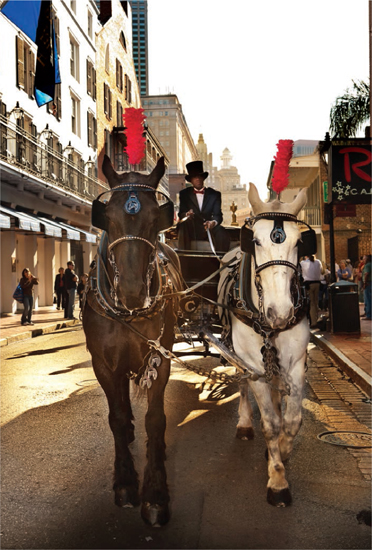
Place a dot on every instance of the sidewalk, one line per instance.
(351, 352)
(46, 319)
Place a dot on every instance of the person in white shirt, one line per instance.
(312, 273)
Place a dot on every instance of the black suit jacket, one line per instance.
(211, 209)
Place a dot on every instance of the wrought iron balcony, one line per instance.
(20, 149)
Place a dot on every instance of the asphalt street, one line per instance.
(57, 462)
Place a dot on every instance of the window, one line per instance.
(119, 114)
(91, 80)
(90, 25)
(122, 41)
(119, 75)
(107, 101)
(73, 5)
(75, 115)
(74, 59)
(108, 144)
(25, 67)
(92, 130)
(55, 107)
(128, 89)
(107, 58)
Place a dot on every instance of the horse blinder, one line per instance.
(166, 215)
(307, 246)
(99, 218)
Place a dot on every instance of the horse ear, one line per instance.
(157, 173)
(109, 172)
(298, 203)
(254, 198)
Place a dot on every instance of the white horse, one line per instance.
(269, 330)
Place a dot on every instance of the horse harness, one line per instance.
(162, 278)
(237, 287)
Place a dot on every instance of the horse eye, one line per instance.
(256, 242)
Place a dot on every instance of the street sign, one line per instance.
(351, 162)
(325, 191)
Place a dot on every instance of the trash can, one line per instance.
(344, 307)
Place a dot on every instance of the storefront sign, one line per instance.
(351, 172)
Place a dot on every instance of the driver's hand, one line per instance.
(210, 224)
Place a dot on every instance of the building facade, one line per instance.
(140, 44)
(47, 155)
(166, 120)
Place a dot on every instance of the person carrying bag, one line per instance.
(27, 283)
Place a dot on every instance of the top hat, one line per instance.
(195, 168)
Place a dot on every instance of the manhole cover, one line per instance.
(347, 439)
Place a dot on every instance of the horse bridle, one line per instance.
(132, 207)
(277, 236)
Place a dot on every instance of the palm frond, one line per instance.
(350, 111)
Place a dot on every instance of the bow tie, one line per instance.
(197, 192)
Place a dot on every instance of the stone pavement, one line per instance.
(351, 352)
(46, 319)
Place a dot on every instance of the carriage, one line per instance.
(246, 304)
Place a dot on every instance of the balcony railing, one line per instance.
(311, 215)
(21, 149)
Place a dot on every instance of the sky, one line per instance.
(250, 72)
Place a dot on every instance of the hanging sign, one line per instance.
(351, 172)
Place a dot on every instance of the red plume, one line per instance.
(281, 167)
(133, 120)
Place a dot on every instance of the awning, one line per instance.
(4, 221)
(89, 237)
(71, 233)
(49, 229)
(24, 222)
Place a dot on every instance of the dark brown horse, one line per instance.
(129, 325)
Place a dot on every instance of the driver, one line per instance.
(200, 209)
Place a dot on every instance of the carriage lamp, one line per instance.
(17, 111)
(90, 163)
(69, 148)
(47, 132)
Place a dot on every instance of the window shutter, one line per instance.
(117, 73)
(126, 87)
(94, 133)
(89, 77)
(58, 98)
(32, 75)
(130, 91)
(90, 129)
(121, 78)
(94, 80)
(20, 63)
(110, 104)
(105, 98)
(56, 30)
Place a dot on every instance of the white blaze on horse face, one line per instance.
(276, 280)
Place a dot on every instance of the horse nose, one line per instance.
(276, 320)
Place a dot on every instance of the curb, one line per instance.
(38, 332)
(356, 374)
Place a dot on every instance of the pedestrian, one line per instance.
(199, 211)
(60, 289)
(71, 285)
(81, 288)
(367, 287)
(323, 287)
(349, 267)
(27, 283)
(311, 273)
(360, 282)
(343, 273)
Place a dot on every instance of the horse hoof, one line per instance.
(280, 499)
(155, 515)
(245, 433)
(126, 498)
